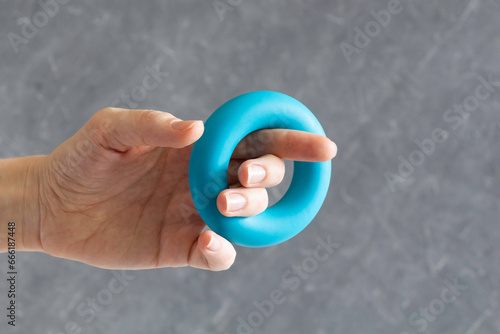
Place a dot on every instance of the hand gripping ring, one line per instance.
(210, 157)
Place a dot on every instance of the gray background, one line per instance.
(397, 247)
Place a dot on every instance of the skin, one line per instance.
(116, 194)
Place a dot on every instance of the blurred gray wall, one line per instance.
(402, 238)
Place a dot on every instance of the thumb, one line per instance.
(211, 252)
(120, 129)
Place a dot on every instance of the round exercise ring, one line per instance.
(209, 162)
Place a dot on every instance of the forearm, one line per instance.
(19, 203)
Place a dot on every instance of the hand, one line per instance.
(116, 194)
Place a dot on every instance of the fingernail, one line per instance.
(335, 148)
(235, 202)
(180, 125)
(256, 174)
(214, 245)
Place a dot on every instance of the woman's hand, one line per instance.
(116, 194)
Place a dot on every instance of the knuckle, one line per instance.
(102, 120)
(146, 116)
(106, 111)
(98, 126)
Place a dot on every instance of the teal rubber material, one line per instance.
(210, 157)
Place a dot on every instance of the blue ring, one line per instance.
(209, 162)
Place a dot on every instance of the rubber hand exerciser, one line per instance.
(209, 161)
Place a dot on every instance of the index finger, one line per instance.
(286, 144)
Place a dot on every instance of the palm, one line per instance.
(136, 212)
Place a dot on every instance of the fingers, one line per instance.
(120, 129)
(253, 175)
(266, 149)
(211, 252)
(266, 171)
(242, 202)
(286, 144)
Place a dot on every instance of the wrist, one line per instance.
(19, 202)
